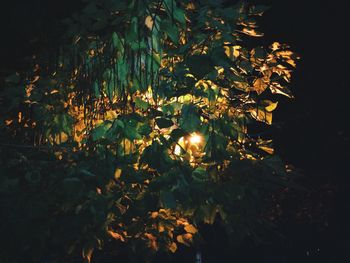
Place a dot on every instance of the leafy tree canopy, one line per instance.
(136, 130)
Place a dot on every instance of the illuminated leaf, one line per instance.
(269, 105)
(275, 46)
(131, 133)
(173, 247)
(152, 241)
(100, 131)
(190, 229)
(267, 149)
(141, 104)
(116, 235)
(111, 115)
(259, 86)
(276, 88)
(261, 114)
(117, 173)
(252, 32)
(149, 22)
(185, 239)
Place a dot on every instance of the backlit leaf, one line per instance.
(259, 86)
(190, 229)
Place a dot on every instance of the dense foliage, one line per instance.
(136, 130)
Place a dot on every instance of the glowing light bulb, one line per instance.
(195, 138)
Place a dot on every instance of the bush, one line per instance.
(138, 131)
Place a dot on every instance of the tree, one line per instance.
(143, 117)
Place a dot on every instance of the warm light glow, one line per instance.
(195, 138)
(177, 150)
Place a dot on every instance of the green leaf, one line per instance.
(200, 65)
(145, 129)
(164, 123)
(200, 174)
(132, 33)
(179, 15)
(230, 13)
(173, 10)
(168, 109)
(190, 119)
(96, 89)
(163, 161)
(167, 199)
(100, 131)
(143, 105)
(171, 30)
(131, 133)
(176, 134)
(117, 42)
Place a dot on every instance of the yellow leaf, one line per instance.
(111, 115)
(275, 46)
(261, 115)
(228, 51)
(276, 88)
(232, 51)
(236, 50)
(8, 122)
(152, 241)
(191, 229)
(149, 22)
(117, 173)
(241, 85)
(115, 235)
(259, 86)
(190, 6)
(185, 239)
(270, 106)
(267, 149)
(154, 215)
(173, 247)
(161, 228)
(291, 62)
(252, 32)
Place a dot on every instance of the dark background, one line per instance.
(312, 132)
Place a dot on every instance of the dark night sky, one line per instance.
(314, 135)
